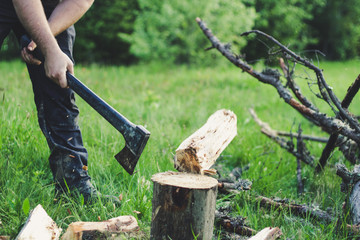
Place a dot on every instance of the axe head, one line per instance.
(135, 142)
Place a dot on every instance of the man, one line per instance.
(50, 24)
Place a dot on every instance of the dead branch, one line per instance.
(304, 137)
(294, 87)
(302, 153)
(233, 224)
(300, 147)
(328, 124)
(234, 187)
(299, 210)
(331, 144)
(351, 184)
(321, 80)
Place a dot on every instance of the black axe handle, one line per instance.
(135, 136)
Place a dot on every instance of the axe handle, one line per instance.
(121, 123)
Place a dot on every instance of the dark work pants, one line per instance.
(57, 112)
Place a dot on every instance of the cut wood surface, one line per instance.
(199, 151)
(183, 206)
(39, 226)
(101, 230)
(267, 234)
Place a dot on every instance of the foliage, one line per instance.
(167, 30)
(285, 20)
(337, 28)
(98, 30)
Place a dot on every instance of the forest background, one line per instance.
(124, 32)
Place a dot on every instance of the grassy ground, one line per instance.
(171, 102)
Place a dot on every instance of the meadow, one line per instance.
(171, 102)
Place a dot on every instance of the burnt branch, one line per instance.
(294, 87)
(304, 137)
(321, 80)
(301, 148)
(331, 144)
(301, 153)
(297, 209)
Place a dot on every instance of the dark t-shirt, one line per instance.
(7, 11)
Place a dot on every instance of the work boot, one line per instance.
(71, 176)
(91, 195)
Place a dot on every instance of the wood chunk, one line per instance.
(39, 226)
(200, 151)
(267, 234)
(183, 206)
(102, 230)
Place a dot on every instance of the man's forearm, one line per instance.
(32, 16)
(66, 13)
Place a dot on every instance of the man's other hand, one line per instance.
(27, 56)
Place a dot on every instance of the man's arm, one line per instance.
(66, 13)
(32, 16)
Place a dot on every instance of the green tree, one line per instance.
(287, 21)
(337, 26)
(97, 32)
(167, 30)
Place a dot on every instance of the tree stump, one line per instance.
(183, 206)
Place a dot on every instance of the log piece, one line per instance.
(200, 151)
(267, 234)
(183, 206)
(39, 226)
(101, 230)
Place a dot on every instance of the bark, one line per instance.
(183, 206)
(199, 151)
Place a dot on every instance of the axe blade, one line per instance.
(129, 156)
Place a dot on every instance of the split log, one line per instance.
(267, 234)
(101, 230)
(183, 206)
(39, 226)
(200, 151)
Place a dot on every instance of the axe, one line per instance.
(135, 136)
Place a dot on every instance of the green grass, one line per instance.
(171, 102)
